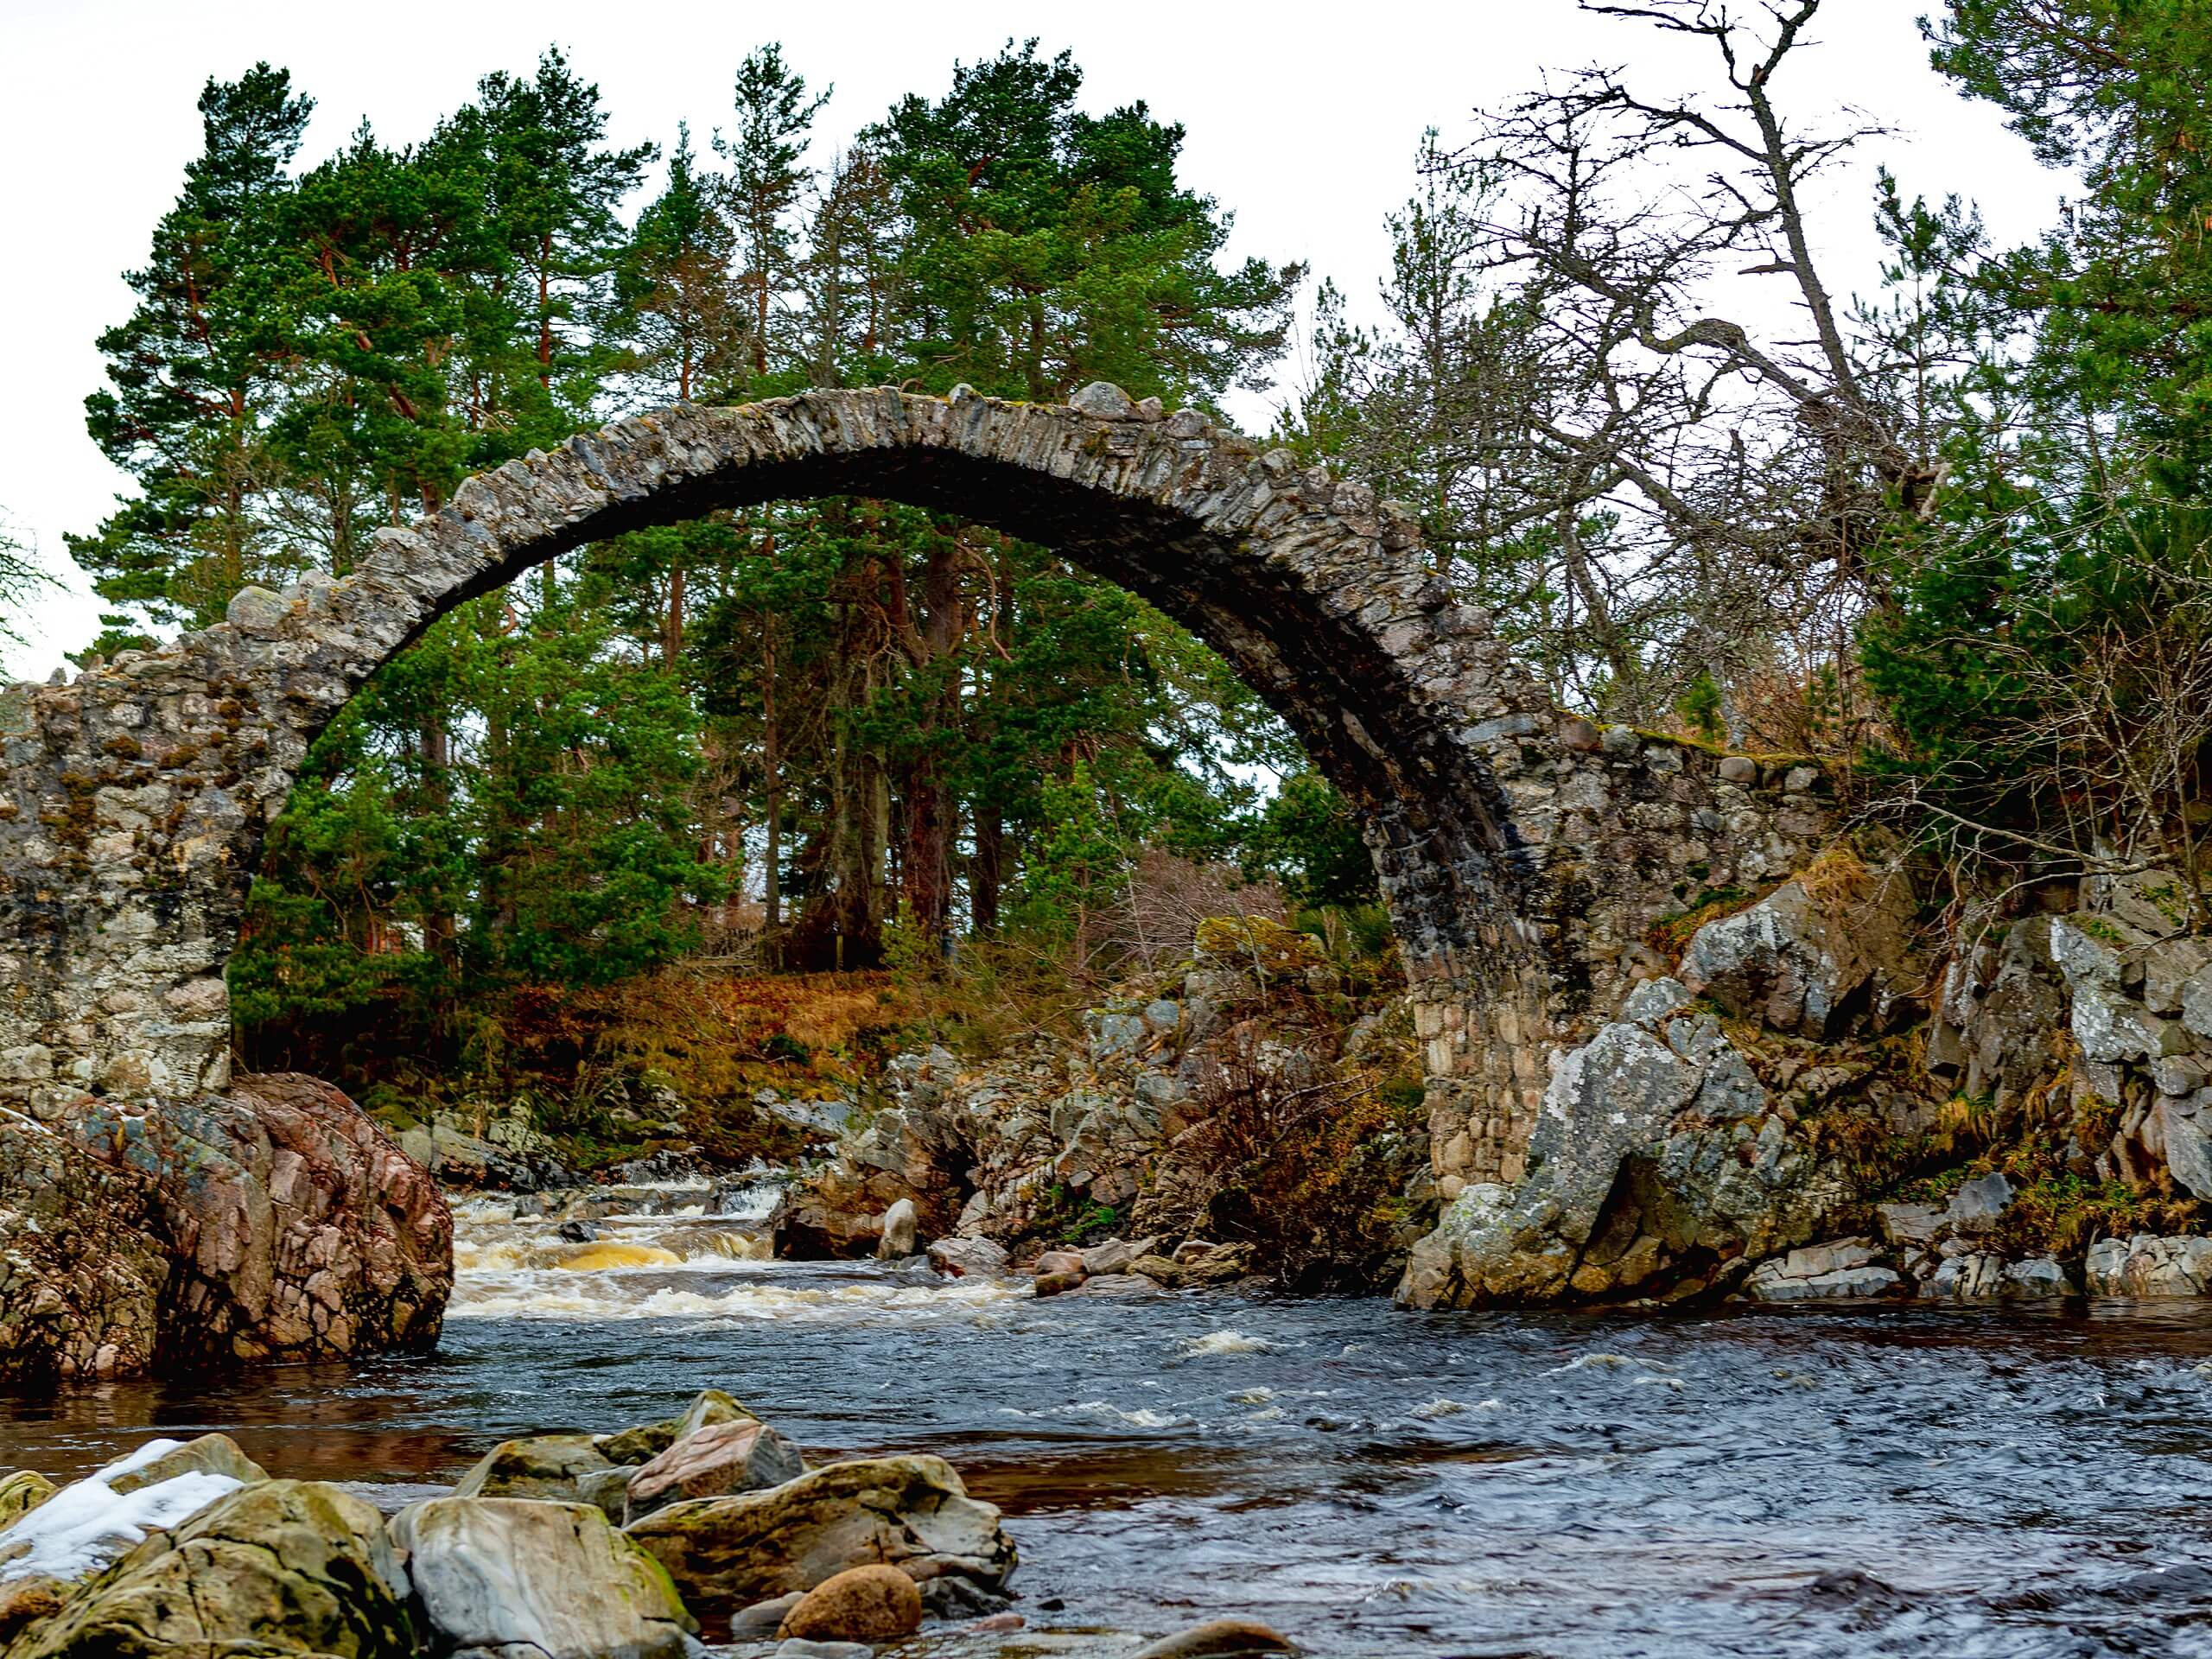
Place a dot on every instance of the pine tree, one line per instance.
(684, 308)
(186, 381)
(767, 179)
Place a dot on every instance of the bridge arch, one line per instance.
(1513, 844)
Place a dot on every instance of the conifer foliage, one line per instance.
(791, 735)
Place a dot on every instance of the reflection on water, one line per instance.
(1759, 1482)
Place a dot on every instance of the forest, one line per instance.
(1943, 524)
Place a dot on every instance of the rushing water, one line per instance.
(1809, 1482)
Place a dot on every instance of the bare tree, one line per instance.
(1655, 497)
(22, 580)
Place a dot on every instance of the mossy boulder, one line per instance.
(645, 1441)
(517, 1576)
(908, 1512)
(541, 1465)
(279, 1567)
(1254, 943)
(211, 1454)
(22, 1490)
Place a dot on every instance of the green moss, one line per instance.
(1670, 935)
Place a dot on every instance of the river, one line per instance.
(1388, 1485)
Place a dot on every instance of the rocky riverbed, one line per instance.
(2015, 1479)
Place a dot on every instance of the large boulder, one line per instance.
(715, 1461)
(536, 1581)
(84, 1262)
(907, 1512)
(1657, 1158)
(282, 1567)
(279, 1222)
(1813, 955)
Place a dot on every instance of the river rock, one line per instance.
(862, 1604)
(640, 1444)
(907, 1512)
(900, 1224)
(744, 1456)
(607, 1490)
(280, 1567)
(763, 1618)
(542, 1465)
(22, 1490)
(1159, 1270)
(211, 1454)
(710, 1406)
(1979, 1204)
(2035, 1279)
(959, 1257)
(537, 1580)
(1056, 1284)
(278, 1222)
(2149, 1266)
(1825, 1272)
(1224, 1264)
(89, 1523)
(1060, 1262)
(1219, 1638)
(1971, 1276)
(1115, 1255)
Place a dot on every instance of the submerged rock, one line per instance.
(1220, 1638)
(279, 1222)
(283, 1566)
(537, 1580)
(908, 1512)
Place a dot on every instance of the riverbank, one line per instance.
(2022, 1480)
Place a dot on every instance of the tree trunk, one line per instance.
(439, 931)
(773, 773)
(672, 633)
(985, 871)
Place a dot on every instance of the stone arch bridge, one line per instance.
(1523, 852)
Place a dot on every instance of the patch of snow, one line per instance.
(88, 1524)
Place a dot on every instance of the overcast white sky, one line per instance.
(1303, 117)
